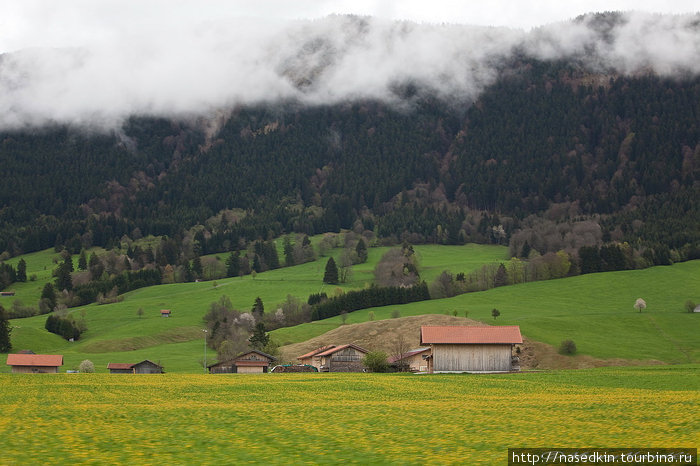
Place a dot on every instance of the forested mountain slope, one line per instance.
(548, 139)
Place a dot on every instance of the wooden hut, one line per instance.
(165, 313)
(252, 362)
(470, 349)
(411, 361)
(312, 358)
(120, 368)
(147, 367)
(345, 358)
(34, 363)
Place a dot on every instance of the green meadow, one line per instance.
(341, 418)
(594, 310)
(116, 333)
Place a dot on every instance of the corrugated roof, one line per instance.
(342, 347)
(44, 360)
(316, 351)
(248, 363)
(119, 365)
(507, 334)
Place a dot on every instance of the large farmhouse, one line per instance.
(470, 349)
(34, 363)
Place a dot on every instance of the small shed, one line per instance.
(312, 358)
(470, 348)
(120, 368)
(697, 308)
(413, 361)
(165, 313)
(7, 293)
(34, 363)
(252, 362)
(147, 367)
(344, 358)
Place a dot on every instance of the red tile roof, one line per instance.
(165, 311)
(316, 351)
(42, 360)
(342, 347)
(507, 334)
(407, 354)
(119, 365)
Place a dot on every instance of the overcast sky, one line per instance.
(95, 62)
(30, 23)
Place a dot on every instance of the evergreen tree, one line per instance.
(49, 294)
(260, 338)
(96, 267)
(21, 271)
(5, 331)
(82, 260)
(233, 264)
(288, 252)
(361, 250)
(501, 278)
(331, 274)
(63, 277)
(258, 309)
(197, 266)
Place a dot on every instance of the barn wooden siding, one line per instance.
(34, 370)
(462, 358)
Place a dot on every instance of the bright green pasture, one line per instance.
(595, 310)
(117, 334)
(341, 418)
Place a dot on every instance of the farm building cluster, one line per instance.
(443, 349)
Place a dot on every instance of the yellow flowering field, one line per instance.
(333, 418)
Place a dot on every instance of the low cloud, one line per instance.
(210, 66)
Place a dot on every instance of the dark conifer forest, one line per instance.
(547, 144)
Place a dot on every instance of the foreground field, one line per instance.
(332, 418)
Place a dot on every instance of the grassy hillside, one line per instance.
(117, 334)
(595, 310)
(341, 418)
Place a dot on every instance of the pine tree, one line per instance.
(361, 250)
(260, 338)
(5, 331)
(82, 260)
(501, 278)
(258, 309)
(331, 274)
(21, 271)
(233, 264)
(197, 266)
(49, 294)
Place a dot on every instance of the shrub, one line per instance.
(395, 314)
(86, 367)
(567, 347)
(376, 361)
(689, 306)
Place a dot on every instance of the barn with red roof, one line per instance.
(471, 348)
(34, 363)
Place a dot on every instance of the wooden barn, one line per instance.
(411, 361)
(34, 363)
(470, 348)
(252, 362)
(165, 313)
(344, 358)
(312, 358)
(147, 367)
(120, 368)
